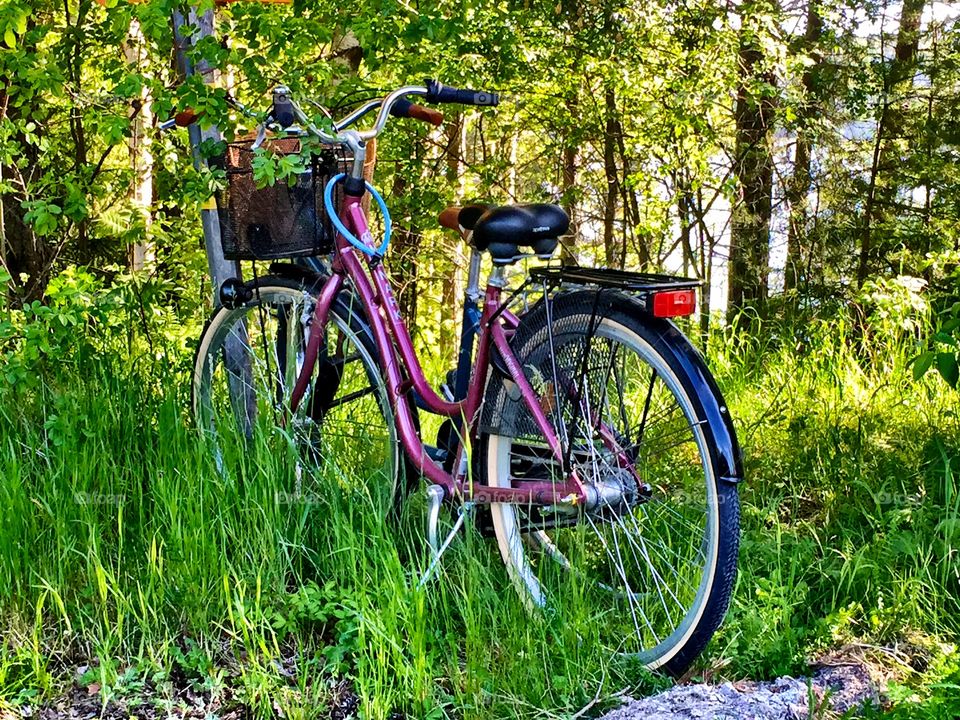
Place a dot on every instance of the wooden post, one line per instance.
(220, 268)
(236, 360)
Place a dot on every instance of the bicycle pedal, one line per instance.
(448, 444)
(448, 385)
(446, 392)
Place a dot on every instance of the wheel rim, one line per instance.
(642, 574)
(339, 430)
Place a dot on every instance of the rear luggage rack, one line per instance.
(661, 295)
(622, 279)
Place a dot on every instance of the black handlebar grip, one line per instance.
(439, 93)
(283, 110)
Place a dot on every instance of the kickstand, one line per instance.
(435, 498)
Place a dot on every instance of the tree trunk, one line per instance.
(26, 257)
(797, 200)
(346, 51)
(687, 222)
(631, 209)
(750, 231)
(706, 245)
(4, 100)
(202, 26)
(799, 187)
(77, 129)
(568, 251)
(141, 255)
(572, 14)
(612, 176)
(450, 309)
(405, 248)
(882, 190)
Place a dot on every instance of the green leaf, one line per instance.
(922, 363)
(10, 38)
(950, 325)
(949, 368)
(264, 169)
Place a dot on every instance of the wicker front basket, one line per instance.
(281, 220)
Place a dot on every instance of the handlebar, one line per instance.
(403, 108)
(395, 103)
(286, 112)
(439, 93)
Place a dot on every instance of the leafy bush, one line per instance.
(83, 319)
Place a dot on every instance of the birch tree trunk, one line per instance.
(141, 253)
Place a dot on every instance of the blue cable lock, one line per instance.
(342, 229)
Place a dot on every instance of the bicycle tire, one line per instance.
(577, 566)
(343, 428)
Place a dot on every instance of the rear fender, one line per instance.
(705, 394)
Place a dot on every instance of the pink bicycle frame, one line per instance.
(403, 372)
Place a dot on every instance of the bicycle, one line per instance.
(585, 434)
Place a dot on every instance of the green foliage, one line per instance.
(944, 355)
(42, 215)
(938, 700)
(851, 509)
(270, 168)
(851, 535)
(322, 610)
(84, 319)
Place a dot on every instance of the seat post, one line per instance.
(498, 276)
(473, 276)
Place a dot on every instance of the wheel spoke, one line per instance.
(350, 397)
(661, 546)
(682, 441)
(631, 597)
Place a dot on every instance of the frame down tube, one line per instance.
(379, 303)
(571, 490)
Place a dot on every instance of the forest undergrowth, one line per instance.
(137, 572)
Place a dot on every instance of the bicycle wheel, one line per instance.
(649, 570)
(247, 364)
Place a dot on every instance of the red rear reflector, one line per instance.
(674, 303)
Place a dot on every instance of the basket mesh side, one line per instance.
(276, 221)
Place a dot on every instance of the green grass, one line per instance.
(122, 539)
(851, 516)
(123, 549)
